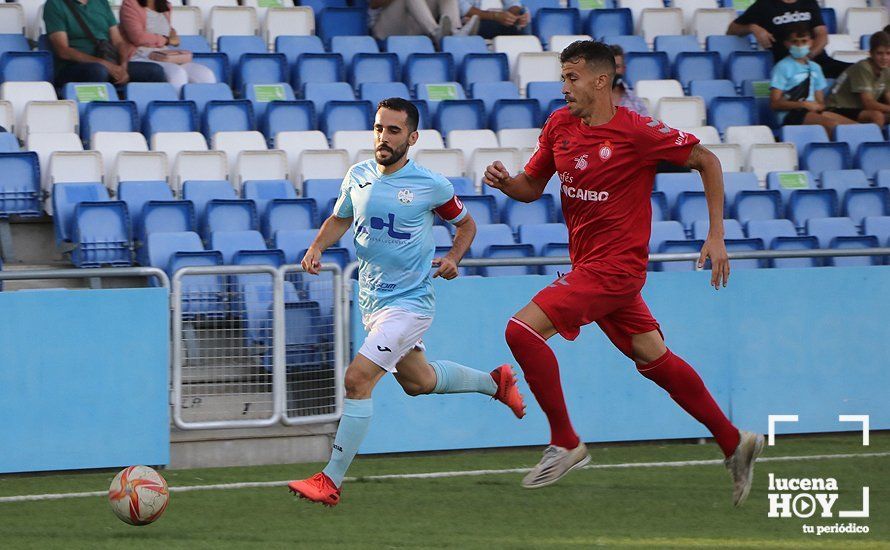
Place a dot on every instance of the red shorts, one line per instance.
(584, 296)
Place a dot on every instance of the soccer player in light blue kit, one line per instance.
(390, 202)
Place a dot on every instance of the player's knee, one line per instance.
(513, 333)
(414, 389)
(357, 384)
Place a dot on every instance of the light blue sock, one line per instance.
(350, 434)
(453, 377)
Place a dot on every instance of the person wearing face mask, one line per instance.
(797, 84)
(621, 94)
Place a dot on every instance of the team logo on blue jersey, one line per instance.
(406, 196)
(390, 226)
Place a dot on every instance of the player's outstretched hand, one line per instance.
(312, 261)
(715, 249)
(447, 268)
(496, 175)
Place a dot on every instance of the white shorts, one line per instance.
(392, 333)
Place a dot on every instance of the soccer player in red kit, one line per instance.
(606, 157)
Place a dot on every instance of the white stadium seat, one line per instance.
(535, 67)
(288, 21)
(260, 165)
(558, 42)
(7, 115)
(199, 165)
(427, 139)
(520, 138)
(865, 21)
(661, 21)
(710, 22)
(746, 136)
(172, 143)
(707, 135)
(207, 5)
(515, 45)
(689, 7)
(187, 20)
(294, 144)
(20, 93)
(230, 21)
(75, 167)
(233, 143)
(363, 155)
(636, 8)
(45, 145)
(654, 90)
(353, 141)
(840, 9)
(850, 56)
(448, 162)
(764, 158)
(12, 19)
(470, 140)
(730, 156)
(678, 112)
(484, 156)
(325, 163)
(112, 143)
(33, 17)
(138, 166)
(262, 7)
(50, 117)
(840, 42)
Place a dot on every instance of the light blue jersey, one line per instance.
(393, 221)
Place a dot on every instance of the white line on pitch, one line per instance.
(438, 475)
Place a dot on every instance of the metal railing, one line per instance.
(91, 273)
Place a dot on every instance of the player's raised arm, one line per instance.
(331, 230)
(708, 165)
(522, 187)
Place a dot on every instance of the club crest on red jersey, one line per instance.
(605, 151)
(581, 162)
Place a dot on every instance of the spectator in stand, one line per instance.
(862, 92)
(97, 53)
(145, 24)
(434, 18)
(770, 20)
(796, 88)
(622, 96)
(512, 19)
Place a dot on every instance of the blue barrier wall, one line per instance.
(83, 379)
(810, 342)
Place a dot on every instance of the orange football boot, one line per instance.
(508, 391)
(318, 488)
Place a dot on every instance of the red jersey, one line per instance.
(606, 174)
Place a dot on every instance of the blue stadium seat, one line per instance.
(403, 46)
(490, 92)
(228, 116)
(460, 46)
(483, 208)
(236, 46)
(609, 22)
(65, 197)
(9, 143)
(462, 186)
(672, 184)
(841, 233)
(318, 5)
(194, 43)
(745, 245)
(660, 210)
(315, 68)
(859, 204)
(545, 93)
(691, 66)
(878, 226)
(441, 236)
(170, 116)
(324, 192)
(302, 336)
(678, 247)
(882, 178)
(663, 232)
(26, 66)
(427, 68)
(863, 41)
(733, 182)
(428, 93)
(539, 235)
(349, 46)
(288, 215)
(534, 6)
(261, 68)
(331, 22)
(709, 89)
(321, 92)
(629, 43)
(673, 45)
(585, 7)
(873, 157)
(805, 204)
(788, 182)
(732, 229)
(549, 21)
(781, 235)
(288, 116)
(254, 294)
(731, 111)
(804, 134)
(815, 152)
(101, 234)
(294, 243)
(160, 216)
(216, 62)
(756, 205)
(230, 215)
(555, 251)
(844, 180)
(294, 46)
(262, 95)
(515, 113)
(202, 192)
(262, 192)
(346, 115)
(468, 114)
(201, 93)
(829, 17)
(508, 251)
(691, 206)
(108, 116)
(857, 134)
(71, 89)
(231, 242)
(375, 92)
(541, 211)
(142, 93)
(750, 65)
(136, 194)
(488, 235)
(645, 66)
(20, 185)
(759, 90)
(426, 120)
(725, 44)
(13, 43)
(484, 67)
(202, 295)
(373, 67)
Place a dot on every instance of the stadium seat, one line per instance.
(236, 46)
(294, 243)
(228, 116)
(878, 226)
(65, 198)
(829, 17)
(136, 194)
(216, 62)
(658, 202)
(373, 67)
(725, 44)
(747, 136)
(514, 113)
(403, 46)
(20, 93)
(663, 232)
(536, 66)
(462, 185)
(84, 93)
(518, 137)
(324, 192)
(108, 116)
(858, 200)
(229, 21)
(375, 92)
(231, 242)
(691, 66)
(137, 166)
(756, 205)
(764, 158)
(840, 43)
(674, 45)
(13, 42)
(843, 181)
(262, 95)
(513, 46)
(51, 117)
(169, 116)
(289, 215)
(549, 21)
(709, 89)
(20, 184)
(841, 233)
(261, 68)
(194, 43)
(545, 93)
(9, 143)
(483, 208)
(490, 92)
(229, 215)
(732, 229)
(653, 90)
(26, 67)
(201, 192)
(101, 235)
(541, 211)
(750, 65)
(488, 235)
(559, 42)
(427, 139)
(508, 251)
(433, 94)
(654, 22)
(806, 204)
(201, 94)
(199, 165)
(861, 21)
(540, 235)
(629, 43)
(109, 144)
(324, 164)
(346, 115)
(262, 192)
(142, 93)
(164, 247)
(466, 114)
(322, 92)
(259, 165)
(335, 21)
(735, 182)
(857, 134)
(731, 111)
(606, 22)
(645, 66)
(294, 46)
(285, 22)
(353, 141)
(172, 143)
(448, 162)
(349, 46)
(460, 46)
(294, 143)
(427, 68)
(679, 184)
(873, 157)
(313, 68)
(470, 140)
(681, 112)
(288, 116)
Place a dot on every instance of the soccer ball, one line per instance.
(138, 495)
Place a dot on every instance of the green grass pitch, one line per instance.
(654, 507)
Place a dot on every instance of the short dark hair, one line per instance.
(403, 106)
(880, 39)
(592, 52)
(798, 29)
(617, 51)
(160, 5)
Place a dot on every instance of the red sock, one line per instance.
(680, 380)
(542, 374)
